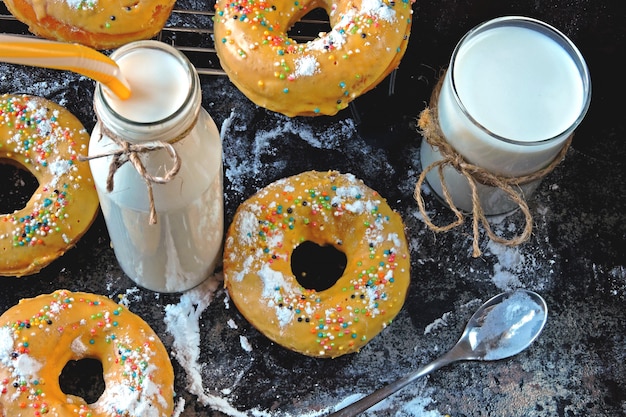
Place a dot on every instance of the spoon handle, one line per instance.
(384, 392)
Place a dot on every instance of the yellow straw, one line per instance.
(73, 57)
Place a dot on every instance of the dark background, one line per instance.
(575, 257)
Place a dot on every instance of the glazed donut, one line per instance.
(328, 209)
(40, 335)
(366, 42)
(45, 139)
(100, 24)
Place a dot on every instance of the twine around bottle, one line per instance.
(130, 152)
(428, 125)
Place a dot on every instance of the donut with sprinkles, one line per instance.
(100, 24)
(40, 335)
(367, 40)
(45, 139)
(328, 209)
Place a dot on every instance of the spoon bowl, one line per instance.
(502, 327)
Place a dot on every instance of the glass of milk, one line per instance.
(514, 92)
(182, 249)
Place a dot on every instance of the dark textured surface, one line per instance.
(575, 257)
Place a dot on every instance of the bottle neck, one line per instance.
(165, 95)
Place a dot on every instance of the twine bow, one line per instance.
(428, 124)
(129, 152)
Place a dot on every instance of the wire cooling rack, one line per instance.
(190, 30)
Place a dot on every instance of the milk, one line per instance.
(158, 82)
(514, 92)
(182, 249)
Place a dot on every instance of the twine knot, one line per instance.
(428, 125)
(130, 152)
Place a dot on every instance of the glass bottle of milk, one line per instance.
(163, 121)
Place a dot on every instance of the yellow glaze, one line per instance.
(40, 335)
(46, 139)
(326, 208)
(101, 24)
(319, 77)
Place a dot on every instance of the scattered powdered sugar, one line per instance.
(334, 39)
(24, 366)
(6, 345)
(252, 156)
(179, 407)
(182, 322)
(418, 407)
(438, 323)
(395, 238)
(245, 267)
(513, 263)
(133, 293)
(306, 66)
(81, 4)
(353, 192)
(617, 280)
(245, 343)
(247, 225)
(78, 346)
(128, 398)
(59, 167)
(337, 36)
(379, 9)
(271, 280)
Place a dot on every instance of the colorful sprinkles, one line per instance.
(282, 217)
(355, 29)
(20, 372)
(31, 134)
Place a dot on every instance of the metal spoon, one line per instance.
(502, 327)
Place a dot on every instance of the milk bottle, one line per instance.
(156, 160)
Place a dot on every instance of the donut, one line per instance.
(100, 24)
(45, 139)
(315, 315)
(367, 40)
(39, 336)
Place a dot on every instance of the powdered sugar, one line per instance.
(78, 346)
(337, 36)
(245, 343)
(379, 9)
(306, 66)
(247, 226)
(26, 367)
(125, 397)
(81, 4)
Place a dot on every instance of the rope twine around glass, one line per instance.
(130, 152)
(428, 126)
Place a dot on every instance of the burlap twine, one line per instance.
(428, 125)
(130, 152)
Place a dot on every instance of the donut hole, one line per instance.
(83, 378)
(310, 25)
(17, 186)
(317, 267)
